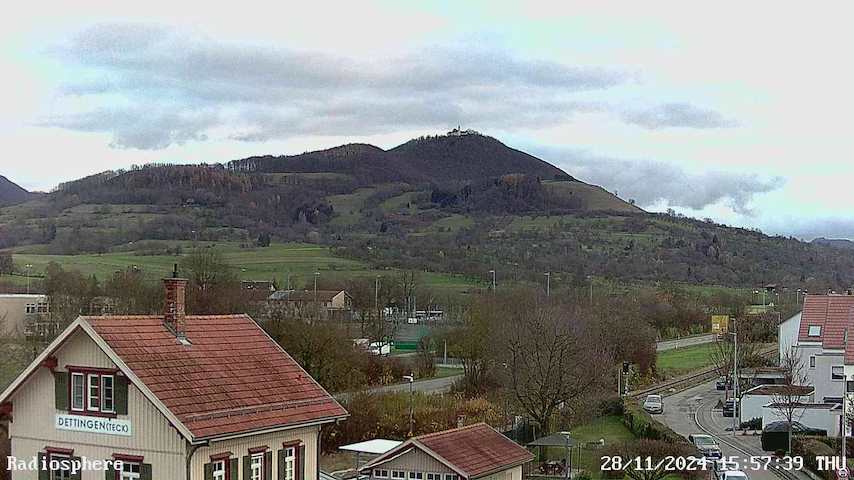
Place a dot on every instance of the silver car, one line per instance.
(653, 404)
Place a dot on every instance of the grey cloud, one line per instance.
(651, 182)
(262, 92)
(677, 115)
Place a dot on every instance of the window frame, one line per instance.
(56, 454)
(224, 462)
(833, 376)
(94, 380)
(402, 476)
(451, 476)
(812, 361)
(817, 331)
(433, 476)
(120, 474)
(290, 461)
(378, 473)
(259, 458)
(415, 475)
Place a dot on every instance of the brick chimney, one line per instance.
(174, 312)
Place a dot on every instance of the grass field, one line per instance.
(300, 260)
(588, 457)
(683, 360)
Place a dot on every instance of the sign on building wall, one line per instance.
(720, 323)
(107, 426)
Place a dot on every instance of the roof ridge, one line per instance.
(453, 430)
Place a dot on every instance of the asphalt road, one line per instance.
(684, 342)
(692, 411)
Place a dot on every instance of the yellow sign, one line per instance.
(720, 323)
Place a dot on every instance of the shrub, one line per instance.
(752, 424)
(642, 425)
(810, 448)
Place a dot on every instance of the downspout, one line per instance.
(317, 455)
(190, 454)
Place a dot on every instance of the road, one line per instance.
(430, 385)
(692, 411)
(684, 342)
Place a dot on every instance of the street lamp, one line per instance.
(548, 282)
(28, 266)
(411, 379)
(735, 406)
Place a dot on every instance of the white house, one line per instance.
(753, 400)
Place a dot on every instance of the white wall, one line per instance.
(787, 334)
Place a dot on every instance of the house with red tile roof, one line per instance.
(171, 396)
(472, 452)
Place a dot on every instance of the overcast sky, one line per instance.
(736, 111)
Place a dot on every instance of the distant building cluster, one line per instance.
(459, 132)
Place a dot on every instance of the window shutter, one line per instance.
(44, 474)
(110, 473)
(281, 462)
(145, 471)
(209, 471)
(79, 474)
(301, 463)
(60, 384)
(247, 468)
(268, 466)
(121, 395)
(232, 470)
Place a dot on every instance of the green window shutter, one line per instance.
(281, 463)
(145, 471)
(60, 384)
(110, 473)
(247, 468)
(79, 474)
(121, 395)
(233, 469)
(301, 463)
(44, 474)
(268, 466)
(209, 471)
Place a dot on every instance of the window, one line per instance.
(219, 470)
(130, 471)
(77, 389)
(58, 474)
(837, 372)
(812, 361)
(379, 473)
(416, 476)
(398, 474)
(290, 463)
(451, 476)
(92, 392)
(814, 331)
(42, 307)
(256, 466)
(31, 308)
(434, 476)
(849, 386)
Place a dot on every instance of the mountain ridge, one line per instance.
(12, 193)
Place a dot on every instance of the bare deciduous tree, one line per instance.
(788, 397)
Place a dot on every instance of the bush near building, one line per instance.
(386, 415)
(810, 448)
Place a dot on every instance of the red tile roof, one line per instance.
(233, 378)
(834, 314)
(474, 451)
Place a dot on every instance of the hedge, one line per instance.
(809, 448)
(642, 425)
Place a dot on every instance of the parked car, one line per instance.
(653, 404)
(731, 475)
(775, 435)
(706, 445)
(723, 383)
(731, 407)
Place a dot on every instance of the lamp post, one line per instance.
(410, 378)
(735, 406)
(28, 266)
(548, 283)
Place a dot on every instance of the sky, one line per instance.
(734, 111)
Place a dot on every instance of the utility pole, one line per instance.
(548, 283)
(735, 406)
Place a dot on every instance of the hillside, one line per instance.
(11, 193)
(460, 203)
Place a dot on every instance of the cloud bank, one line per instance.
(154, 86)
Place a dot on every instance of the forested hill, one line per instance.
(462, 203)
(11, 193)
